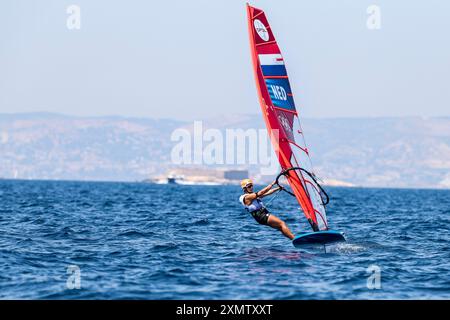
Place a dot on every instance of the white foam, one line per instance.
(344, 247)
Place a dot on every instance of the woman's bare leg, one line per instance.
(279, 224)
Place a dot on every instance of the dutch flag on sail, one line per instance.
(272, 64)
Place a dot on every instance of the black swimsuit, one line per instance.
(261, 215)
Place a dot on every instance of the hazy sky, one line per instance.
(191, 59)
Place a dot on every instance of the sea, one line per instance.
(110, 240)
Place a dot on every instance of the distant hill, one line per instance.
(50, 146)
(379, 152)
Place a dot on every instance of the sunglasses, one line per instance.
(249, 186)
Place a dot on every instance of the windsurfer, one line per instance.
(252, 202)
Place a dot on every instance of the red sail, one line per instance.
(281, 117)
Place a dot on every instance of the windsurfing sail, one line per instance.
(282, 121)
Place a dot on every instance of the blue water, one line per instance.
(142, 241)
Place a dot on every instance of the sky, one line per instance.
(190, 60)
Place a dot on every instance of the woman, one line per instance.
(251, 201)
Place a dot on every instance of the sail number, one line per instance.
(278, 92)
